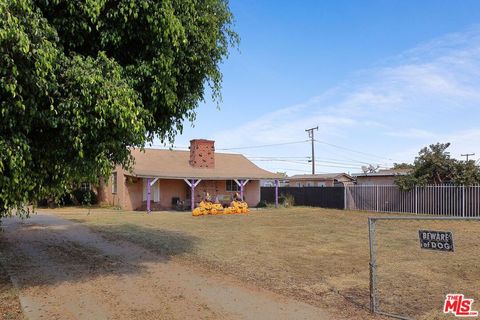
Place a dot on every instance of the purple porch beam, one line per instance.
(148, 195)
(276, 193)
(241, 189)
(193, 193)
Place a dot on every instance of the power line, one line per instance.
(333, 160)
(351, 150)
(280, 160)
(364, 160)
(289, 169)
(264, 146)
(168, 147)
(369, 155)
(320, 163)
(274, 157)
(467, 155)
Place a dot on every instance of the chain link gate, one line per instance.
(373, 265)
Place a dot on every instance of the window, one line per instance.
(154, 190)
(85, 186)
(232, 186)
(114, 182)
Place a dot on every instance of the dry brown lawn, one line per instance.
(9, 304)
(316, 255)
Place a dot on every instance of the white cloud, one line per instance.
(425, 95)
(413, 134)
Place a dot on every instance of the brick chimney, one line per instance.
(202, 153)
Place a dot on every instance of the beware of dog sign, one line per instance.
(436, 240)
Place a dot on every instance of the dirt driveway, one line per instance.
(64, 271)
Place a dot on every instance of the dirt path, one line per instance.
(64, 271)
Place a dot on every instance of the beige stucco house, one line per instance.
(320, 180)
(161, 178)
(381, 177)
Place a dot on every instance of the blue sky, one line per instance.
(381, 79)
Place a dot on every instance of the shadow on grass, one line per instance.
(166, 243)
(45, 250)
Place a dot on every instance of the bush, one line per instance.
(287, 200)
(262, 204)
(84, 197)
(76, 197)
(66, 200)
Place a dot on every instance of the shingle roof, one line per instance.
(174, 164)
(322, 176)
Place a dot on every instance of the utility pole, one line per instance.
(311, 135)
(467, 155)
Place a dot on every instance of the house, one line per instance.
(283, 182)
(320, 180)
(160, 179)
(381, 177)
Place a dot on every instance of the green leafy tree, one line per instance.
(466, 173)
(403, 166)
(81, 82)
(435, 166)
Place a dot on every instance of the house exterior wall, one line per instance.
(129, 194)
(104, 191)
(129, 191)
(252, 193)
(170, 188)
(133, 193)
(373, 180)
(343, 180)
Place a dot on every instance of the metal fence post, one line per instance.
(373, 265)
(416, 199)
(463, 201)
(374, 297)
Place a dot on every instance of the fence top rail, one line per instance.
(422, 218)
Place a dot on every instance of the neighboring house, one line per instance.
(382, 177)
(320, 180)
(177, 175)
(282, 182)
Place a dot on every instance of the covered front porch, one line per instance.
(185, 193)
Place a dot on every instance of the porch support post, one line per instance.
(153, 181)
(148, 195)
(276, 193)
(192, 184)
(241, 189)
(241, 184)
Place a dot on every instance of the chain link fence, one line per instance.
(408, 281)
